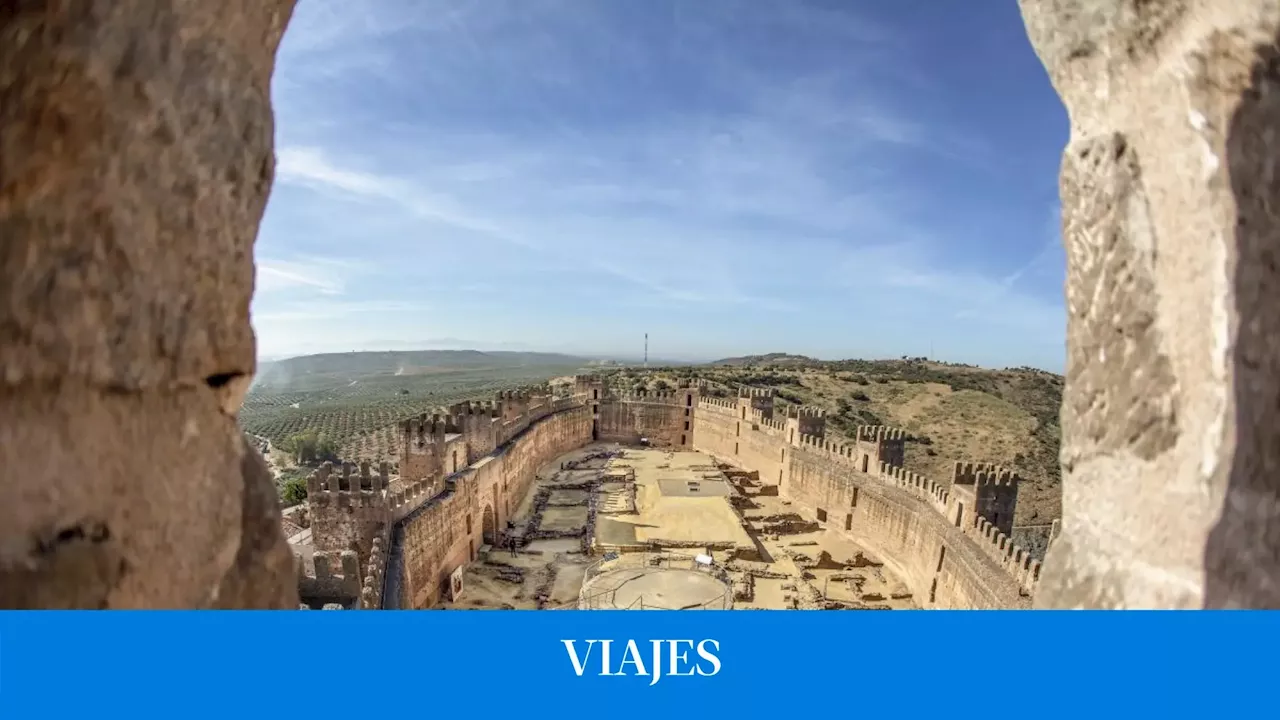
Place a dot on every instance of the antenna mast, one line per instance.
(646, 349)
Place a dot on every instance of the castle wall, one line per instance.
(936, 541)
(943, 569)
(742, 436)
(951, 545)
(448, 529)
(666, 419)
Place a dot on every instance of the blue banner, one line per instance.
(633, 664)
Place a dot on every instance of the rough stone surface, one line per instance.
(135, 162)
(1171, 423)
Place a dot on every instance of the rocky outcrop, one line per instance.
(135, 162)
(1171, 423)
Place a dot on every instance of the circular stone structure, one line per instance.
(656, 588)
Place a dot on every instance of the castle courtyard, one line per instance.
(631, 523)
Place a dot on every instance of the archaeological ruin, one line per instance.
(655, 513)
(135, 164)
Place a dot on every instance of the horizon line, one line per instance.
(589, 356)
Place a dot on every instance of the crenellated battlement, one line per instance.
(481, 425)
(1006, 478)
(348, 485)
(970, 473)
(646, 396)
(423, 430)
(1015, 561)
(922, 487)
(409, 496)
(746, 391)
(726, 407)
(880, 433)
(329, 577)
(371, 586)
(776, 425)
(483, 409)
(804, 411)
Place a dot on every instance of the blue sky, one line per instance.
(832, 178)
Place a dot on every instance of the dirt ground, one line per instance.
(791, 566)
(545, 571)
(799, 567)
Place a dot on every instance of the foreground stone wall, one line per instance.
(934, 539)
(135, 162)
(1170, 188)
(446, 532)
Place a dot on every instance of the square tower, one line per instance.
(880, 444)
(992, 492)
(755, 400)
(422, 441)
(805, 421)
(590, 387)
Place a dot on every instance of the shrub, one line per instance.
(869, 418)
(293, 492)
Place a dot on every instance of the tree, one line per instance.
(310, 447)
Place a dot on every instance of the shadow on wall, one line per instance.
(1242, 555)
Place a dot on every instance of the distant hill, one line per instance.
(779, 359)
(405, 362)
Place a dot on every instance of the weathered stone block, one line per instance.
(1171, 424)
(135, 162)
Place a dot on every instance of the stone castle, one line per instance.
(129, 224)
(389, 543)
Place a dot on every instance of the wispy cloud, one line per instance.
(1049, 254)
(327, 311)
(322, 276)
(531, 171)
